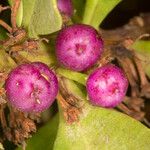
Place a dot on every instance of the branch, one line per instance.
(14, 10)
(6, 26)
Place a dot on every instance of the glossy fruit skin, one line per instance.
(31, 87)
(65, 7)
(78, 47)
(107, 86)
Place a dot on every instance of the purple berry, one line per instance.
(78, 47)
(31, 87)
(107, 86)
(65, 7)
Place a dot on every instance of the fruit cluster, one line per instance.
(33, 87)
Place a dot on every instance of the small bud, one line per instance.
(65, 7)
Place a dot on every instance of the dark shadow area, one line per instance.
(124, 11)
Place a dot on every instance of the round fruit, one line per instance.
(31, 87)
(78, 47)
(65, 7)
(107, 86)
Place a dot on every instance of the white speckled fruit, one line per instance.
(107, 86)
(31, 87)
(78, 47)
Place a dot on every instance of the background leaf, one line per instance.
(143, 50)
(97, 10)
(78, 6)
(142, 47)
(3, 34)
(28, 8)
(45, 18)
(39, 17)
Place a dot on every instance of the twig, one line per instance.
(135, 114)
(124, 108)
(132, 81)
(130, 63)
(15, 7)
(2, 117)
(24, 145)
(146, 122)
(142, 75)
(143, 36)
(4, 8)
(6, 26)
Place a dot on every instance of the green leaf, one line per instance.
(143, 49)
(6, 62)
(72, 75)
(78, 90)
(28, 8)
(44, 54)
(97, 10)
(101, 129)
(41, 17)
(3, 34)
(44, 138)
(78, 6)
